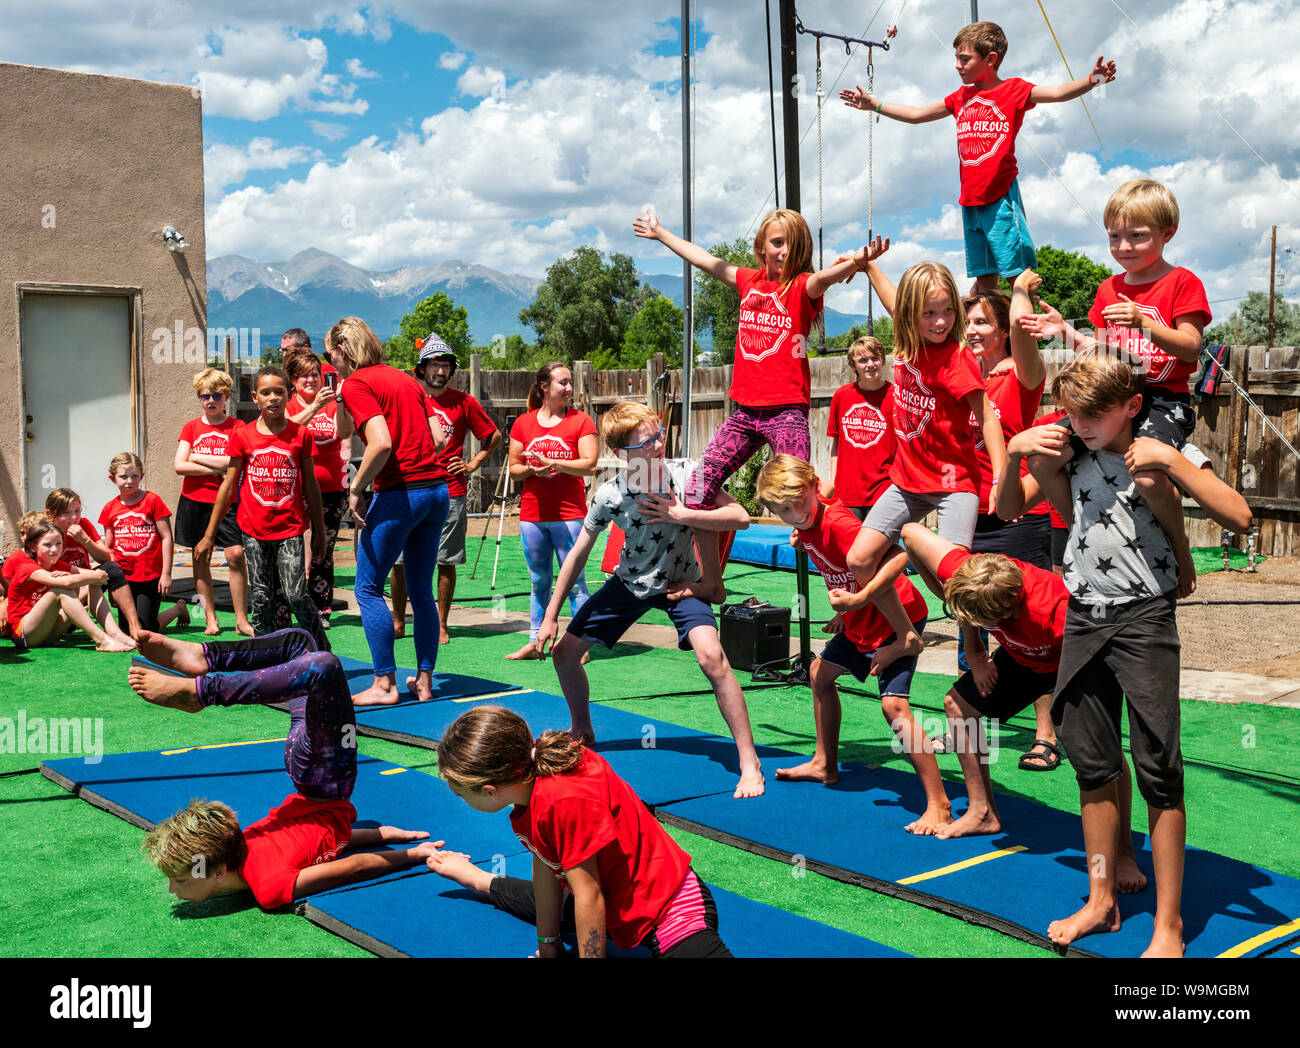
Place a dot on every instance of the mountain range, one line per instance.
(313, 289)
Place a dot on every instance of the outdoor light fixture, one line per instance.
(174, 240)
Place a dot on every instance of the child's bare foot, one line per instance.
(1186, 577)
(181, 655)
(528, 651)
(908, 644)
(211, 627)
(1128, 878)
(455, 866)
(972, 824)
(1165, 942)
(931, 819)
(378, 694)
(115, 644)
(162, 689)
(444, 637)
(421, 686)
(752, 784)
(245, 629)
(812, 771)
(399, 627)
(1091, 920)
(182, 613)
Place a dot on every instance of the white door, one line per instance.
(76, 367)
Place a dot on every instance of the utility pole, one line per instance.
(974, 10)
(1272, 286)
(688, 233)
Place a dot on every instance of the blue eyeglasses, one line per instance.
(657, 438)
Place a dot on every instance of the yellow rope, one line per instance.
(1071, 73)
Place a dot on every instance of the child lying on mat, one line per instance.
(592, 839)
(863, 643)
(298, 849)
(657, 568)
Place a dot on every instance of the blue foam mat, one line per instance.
(768, 546)
(428, 916)
(857, 827)
(445, 685)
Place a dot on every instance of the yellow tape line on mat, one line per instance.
(492, 695)
(393, 771)
(944, 870)
(221, 746)
(1244, 948)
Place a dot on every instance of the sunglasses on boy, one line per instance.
(211, 396)
(651, 442)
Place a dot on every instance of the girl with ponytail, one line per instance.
(592, 839)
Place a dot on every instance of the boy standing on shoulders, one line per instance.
(1121, 638)
(989, 111)
(657, 568)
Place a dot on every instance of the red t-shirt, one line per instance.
(206, 439)
(1015, 407)
(561, 497)
(457, 413)
(828, 542)
(137, 546)
(771, 361)
(863, 425)
(1046, 506)
(327, 456)
(399, 398)
(988, 120)
(271, 502)
(11, 562)
(590, 811)
(1178, 293)
(23, 592)
(1034, 639)
(301, 832)
(935, 452)
(73, 551)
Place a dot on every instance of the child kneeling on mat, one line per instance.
(657, 568)
(863, 643)
(297, 849)
(589, 833)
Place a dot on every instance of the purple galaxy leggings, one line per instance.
(784, 427)
(320, 753)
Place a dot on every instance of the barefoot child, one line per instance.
(1120, 638)
(989, 111)
(82, 544)
(43, 595)
(657, 568)
(138, 529)
(861, 430)
(864, 644)
(201, 461)
(591, 837)
(270, 460)
(307, 843)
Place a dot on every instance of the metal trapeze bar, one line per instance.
(819, 33)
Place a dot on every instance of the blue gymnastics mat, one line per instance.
(445, 685)
(768, 546)
(424, 915)
(1017, 881)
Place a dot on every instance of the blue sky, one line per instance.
(507, 134)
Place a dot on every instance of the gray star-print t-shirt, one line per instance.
(654, 553)
(1117, 551)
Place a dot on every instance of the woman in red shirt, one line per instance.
(551, 449)
(315, 405)
(409, 507)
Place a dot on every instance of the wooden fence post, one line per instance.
(582, 385)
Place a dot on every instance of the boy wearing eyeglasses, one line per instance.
(657, 568)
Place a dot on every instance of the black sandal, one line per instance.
(1051, 760)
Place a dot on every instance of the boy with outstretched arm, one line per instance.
(989, 111)
(1120, 639)
(657, 568)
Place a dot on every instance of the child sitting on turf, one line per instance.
(297, 849)
(657, 568)
(81, 544)
(43, 595)
(863, 643)
(1120, 637)
(989, 111)
(7, 569)
(590, 835)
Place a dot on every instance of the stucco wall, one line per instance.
(118, 160)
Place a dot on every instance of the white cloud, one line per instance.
(478, 81)
(356, 69)
(225, 165)
(452, 59)
(327, 130)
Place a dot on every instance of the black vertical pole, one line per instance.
(790, 133)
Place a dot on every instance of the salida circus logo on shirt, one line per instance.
(863, 425)
(323, 428)
(1134, 341)
(764, 325)
(210, 442)
(133, 534)
(913, 402)
(981, 129)
(550, 447)
(834, 575)
(272, 476)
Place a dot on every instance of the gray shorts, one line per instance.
(957, 513)
(451, 547)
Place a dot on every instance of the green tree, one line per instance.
(1070, 281)
(656, 328)
(585, 304)
(717, 306)
(884, 330)
(437, 313)
(1248, 324)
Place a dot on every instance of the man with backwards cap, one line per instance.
(458, 413)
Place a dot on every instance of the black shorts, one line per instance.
(1028, 538)
(611, 610)
(1017, 688)
(192, 523)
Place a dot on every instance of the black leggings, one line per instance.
(514, 896)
